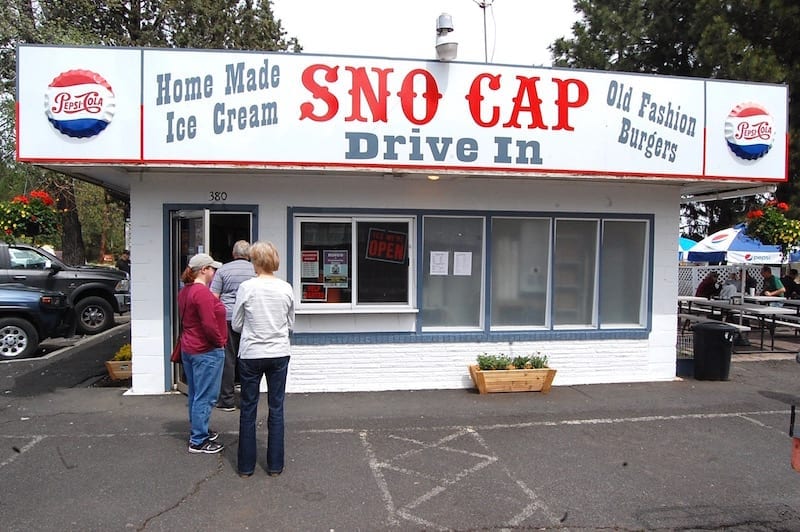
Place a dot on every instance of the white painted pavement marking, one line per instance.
(526, 424)
(22, 450)
(443, 482)
(406, 512)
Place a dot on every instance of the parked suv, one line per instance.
(95, 292)
(29, 315)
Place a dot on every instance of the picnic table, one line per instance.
(748, 310)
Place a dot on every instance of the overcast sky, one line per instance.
(517, 31)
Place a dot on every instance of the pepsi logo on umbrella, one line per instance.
(79, 103)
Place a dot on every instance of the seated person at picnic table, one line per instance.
(789, 282)
(733, 285)
(772, 285)
(730, 287)
(708, 286)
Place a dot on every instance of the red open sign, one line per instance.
(388, 246)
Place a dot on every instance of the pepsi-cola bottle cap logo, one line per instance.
(749, 131)
(79, 103)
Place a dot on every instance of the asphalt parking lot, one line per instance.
(680, 455)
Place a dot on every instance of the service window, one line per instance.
(347, 262)
(575, 273)
(452, 280)
(623, 273)
(520, 272)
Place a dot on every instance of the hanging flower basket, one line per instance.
(29, 215)
(770, 226)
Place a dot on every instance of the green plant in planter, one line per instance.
(501, 361)
(539, 361)
(487, 362)
(522, 362)
(123, 353)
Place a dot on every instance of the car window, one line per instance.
(26, 259)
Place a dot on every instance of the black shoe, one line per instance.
(213, 435)
(226, 408)
(207, 447)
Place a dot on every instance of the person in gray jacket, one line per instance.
(225, 284)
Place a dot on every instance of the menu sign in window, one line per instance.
(309, 265)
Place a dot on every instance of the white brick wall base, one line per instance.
(381, 367)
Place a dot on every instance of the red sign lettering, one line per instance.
(386, 246)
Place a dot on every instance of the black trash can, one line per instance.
(713, 342)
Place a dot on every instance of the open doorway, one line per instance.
(195, 231)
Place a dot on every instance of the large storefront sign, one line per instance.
(159, 106)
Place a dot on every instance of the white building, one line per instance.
(551, 226)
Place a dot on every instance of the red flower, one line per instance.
(20, 199)
(783, 206)
(43, 196)
(758, 213)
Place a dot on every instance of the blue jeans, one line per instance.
(250, 372)
(203, 375)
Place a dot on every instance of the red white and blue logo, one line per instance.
(749, 131)
(79, 103)
(721, 236)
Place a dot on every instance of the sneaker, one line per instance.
(207, 447)
(213, 435)
(226, 408)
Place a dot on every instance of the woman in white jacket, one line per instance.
(264, 315)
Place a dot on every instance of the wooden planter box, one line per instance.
(512, 380)
(119, 369)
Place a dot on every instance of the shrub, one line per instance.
(123, 353)
(501, 361)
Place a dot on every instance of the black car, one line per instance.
(29, 315)
(95, 292)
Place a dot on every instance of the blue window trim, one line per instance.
(486, 335)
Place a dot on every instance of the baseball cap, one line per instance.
(201, 260)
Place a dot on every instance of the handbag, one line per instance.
(176, 352)
(175, 356)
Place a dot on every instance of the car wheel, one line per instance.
(94, 315)
(18, 338)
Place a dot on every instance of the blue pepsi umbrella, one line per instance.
(733, 246)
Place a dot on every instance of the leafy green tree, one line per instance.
(753, 40)
(102, 220)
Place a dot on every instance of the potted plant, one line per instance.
(501, 373)
(770, 226)
(29, 215)
(120, 367)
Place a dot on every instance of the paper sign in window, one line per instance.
(440, 262)
(334, 268)
(462, 263)
(309, 267)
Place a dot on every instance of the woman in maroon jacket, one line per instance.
(204, 332)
